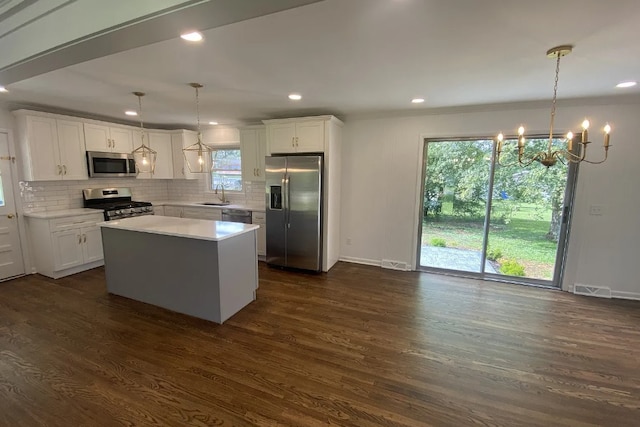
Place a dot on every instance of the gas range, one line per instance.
(115, 202)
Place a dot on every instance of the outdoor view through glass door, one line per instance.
(492, 220)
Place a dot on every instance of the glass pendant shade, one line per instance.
(197, 155)
(144, 156)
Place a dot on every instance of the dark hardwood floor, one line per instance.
(360, 346)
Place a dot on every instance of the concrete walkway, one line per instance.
(453, 259)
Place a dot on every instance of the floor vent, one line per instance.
(592, 291)
(395, 265)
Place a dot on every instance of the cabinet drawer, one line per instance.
(62, 224)
(203, 213)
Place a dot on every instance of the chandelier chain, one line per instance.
(198, 109)
(553, 102)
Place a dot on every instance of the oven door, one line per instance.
(106, 165)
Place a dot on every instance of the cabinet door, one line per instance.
(248, 147)
(258, 218)
(261, 150)
(91, 244)
(97, 137)
(282, 138)
(310, 136)
(173, 211)
(178, 142)
(121, 140)
(67, 249)
(42, 138)
(161, 143)
(72, 151)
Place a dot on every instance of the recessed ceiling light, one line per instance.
(213, 123)
(295, 97)
(131, 113)
(626, 84)
(193, 36)
(3, 89)
(417, 100)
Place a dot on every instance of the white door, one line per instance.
(11, 263)
(92, 244)
(67, 249)
(282, 138)
(43, 149)
(310, 137)
(72, 151)
(161, 143)
(97, 137)
(121, 140)
(248, 142)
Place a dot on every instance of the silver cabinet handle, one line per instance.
(84, 238)
(64, 167)
(293, 138)
(59, 170)
(296, 141)
(79, 239)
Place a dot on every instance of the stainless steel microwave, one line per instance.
(106, 165)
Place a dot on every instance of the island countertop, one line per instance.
(182, 227)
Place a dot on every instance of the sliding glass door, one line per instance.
(488, 220)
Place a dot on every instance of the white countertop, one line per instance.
(63, 213)
(181, 227)
(254, 207)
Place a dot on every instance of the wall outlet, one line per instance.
(596, 210)
(349, 241)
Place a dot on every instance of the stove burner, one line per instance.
(116, 203)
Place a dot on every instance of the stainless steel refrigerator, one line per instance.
(294, 211)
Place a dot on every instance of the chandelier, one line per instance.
(572, 153)
(144, 156)
(196, 155)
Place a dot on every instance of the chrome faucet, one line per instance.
(223, 199)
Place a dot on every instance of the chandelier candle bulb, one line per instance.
(607, 130)
(570, 141)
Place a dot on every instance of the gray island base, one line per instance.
(206, 269)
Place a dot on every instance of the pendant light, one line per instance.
(144, 156)
(197, 155)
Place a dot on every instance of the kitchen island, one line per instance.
(206, 269)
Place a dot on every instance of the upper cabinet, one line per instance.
(299, 135)
(106, 138)
(160, 142)
(253, 148)
(52, 149)
(179, 140)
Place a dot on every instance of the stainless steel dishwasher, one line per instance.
(236, 215)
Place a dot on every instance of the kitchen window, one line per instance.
(226, 168)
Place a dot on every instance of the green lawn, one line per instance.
(522, 238)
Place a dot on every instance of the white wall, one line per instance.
(382, 165)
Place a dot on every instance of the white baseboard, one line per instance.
(625, 295)
(363, 261)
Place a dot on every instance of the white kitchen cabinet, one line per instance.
(52, 148)
(161, 143)
(175, 211)
(107, 138)
(212, 214)
(179, 140)
(306, 135)
(260, 219)
(64, 246)
(253, 141)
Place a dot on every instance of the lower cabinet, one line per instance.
(64, 246)
(259, 219)
(193, 212)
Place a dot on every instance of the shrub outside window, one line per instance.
(227, 169)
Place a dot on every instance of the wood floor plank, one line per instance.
(359, 346)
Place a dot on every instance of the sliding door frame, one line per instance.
(563, 240)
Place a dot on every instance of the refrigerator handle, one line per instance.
(287, 192)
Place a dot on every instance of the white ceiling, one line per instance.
(361, 56)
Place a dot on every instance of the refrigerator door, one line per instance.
(303, 196)
(275, 172)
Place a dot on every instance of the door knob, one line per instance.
(10, 216)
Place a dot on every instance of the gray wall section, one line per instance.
(182, 274)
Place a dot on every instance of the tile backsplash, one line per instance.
(39, 196)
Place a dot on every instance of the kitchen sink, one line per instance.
(215, 203)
